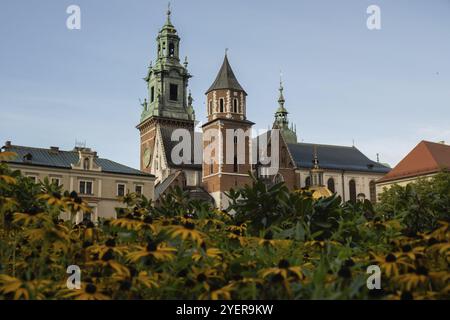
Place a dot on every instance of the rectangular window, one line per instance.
(211, 166)
(86, 187)
(120, 189)
(173, 92)
(55, 181)
(152, 94)
(138, 190)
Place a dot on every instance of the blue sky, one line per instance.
(386, 89)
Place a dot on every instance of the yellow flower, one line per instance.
(213, 253)
(159, 252)
(23, 289)
(284, 270)
(88, 291)
(186, 231)
(223, 293)
(391, 263)
(31, 217)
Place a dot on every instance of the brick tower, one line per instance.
(226, 137)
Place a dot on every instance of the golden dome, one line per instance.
(320, 192)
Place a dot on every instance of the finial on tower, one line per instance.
(226, 52)
(281, 98)
(168, 13)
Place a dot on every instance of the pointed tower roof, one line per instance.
(426, 158)
(281, 100)
(225, 78)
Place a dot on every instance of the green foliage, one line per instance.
(277, 245)
(420, 205)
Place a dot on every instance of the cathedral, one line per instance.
(203, 171)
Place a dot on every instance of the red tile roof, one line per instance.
(426, 158)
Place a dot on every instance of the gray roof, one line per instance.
(161, 187)
(225, 78)
(333, 157)
(166, 134)
(64, 160)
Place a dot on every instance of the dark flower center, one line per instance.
(406, 296)
(390, 258)
(345, 273)
(349, 263)
(422, 271)
(56, 195)
(148, 220)
(407, 248)
(87, 244)
(110, 243)
(189, 226)
(109, 255)
(201, 277)
(91, 288)
(125, 285)
(283, 264)
(152, 246)
(432, 241)
(73, 195)
(277, 278)
(268, 235)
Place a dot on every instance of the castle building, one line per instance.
(99, 181)
(219, 157)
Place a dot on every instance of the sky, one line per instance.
(383, 90)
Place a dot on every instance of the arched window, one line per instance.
(373, 191)
(235, 164)
(278, 178)
(171, 49)
(211, 166)
(235, 105)
(330, 185)
(210, 107)
(221, 103)
(352, 190)
(308, 182)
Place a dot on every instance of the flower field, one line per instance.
(277, 245)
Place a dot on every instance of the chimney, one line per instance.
(54, 149)
(8, 144)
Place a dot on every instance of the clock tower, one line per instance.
(168, 106)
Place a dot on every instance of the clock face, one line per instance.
(147, 157)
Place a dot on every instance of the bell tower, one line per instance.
(168, 105)
(226, 136)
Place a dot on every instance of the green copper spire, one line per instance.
(281, 119)
(167, 79)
